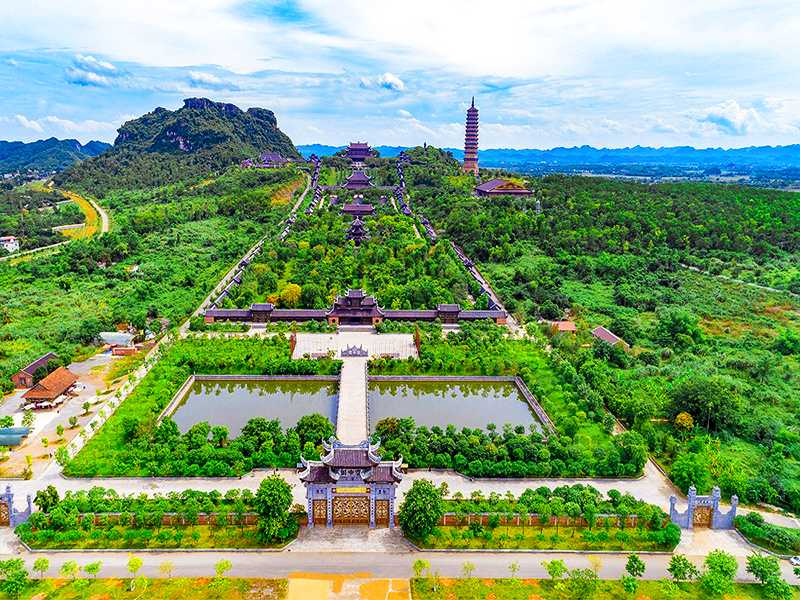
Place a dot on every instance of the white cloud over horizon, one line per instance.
(611, 73)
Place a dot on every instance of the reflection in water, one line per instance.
(234, 402)
(472, 404)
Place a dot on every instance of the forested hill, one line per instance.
(165, 146)
(46, 155)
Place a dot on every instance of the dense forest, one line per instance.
(168, 248)
(712, 378)
(30, 212)
(316, 263)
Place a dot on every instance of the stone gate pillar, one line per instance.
(329, 502)
(372, 507)
(692, 498)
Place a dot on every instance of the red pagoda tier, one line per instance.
(471, 140)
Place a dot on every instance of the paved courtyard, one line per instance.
(398, 345)
(343, 538)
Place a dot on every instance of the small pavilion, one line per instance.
(350, 485)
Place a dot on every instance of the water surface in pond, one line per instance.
(472, 404)
(234, 402)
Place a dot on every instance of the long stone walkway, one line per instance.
(351, 417)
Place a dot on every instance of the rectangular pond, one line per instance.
(459, 402)
(233, 402)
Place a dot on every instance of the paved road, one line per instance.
(105, 222)
(284, 564)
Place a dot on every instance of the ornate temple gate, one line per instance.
(702, 516)
(381, 513)
(320, 511)
(350, 485)
(703, 511)
(351, 510)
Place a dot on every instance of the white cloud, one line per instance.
(90, 63)
(390, 81)
(28, 123)
(209, 81)
(88, 126)
(387, 81)
(86, 78)
(404, 113)
(730, 118)
(11, 62)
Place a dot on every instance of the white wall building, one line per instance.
(9, 243)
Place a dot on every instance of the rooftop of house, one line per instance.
(607, 336)
(52, 386)
(501, 186)
(40, 362)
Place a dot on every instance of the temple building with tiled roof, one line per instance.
(358, 180)
(501, 187)
(354, 308)
(358, 151)
(357, 232)
(350, 485)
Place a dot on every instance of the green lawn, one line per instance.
(199, 536)
(173, 589)
(568, 538)
(536, 589)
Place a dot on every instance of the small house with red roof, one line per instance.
(604, 335)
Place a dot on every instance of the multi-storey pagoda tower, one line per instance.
(471, 140)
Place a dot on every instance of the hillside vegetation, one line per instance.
(166, 146)
(46, 155)
(712, 379)
(169, 247)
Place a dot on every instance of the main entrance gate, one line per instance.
(703, 511)
(351, 510)
(350, 485)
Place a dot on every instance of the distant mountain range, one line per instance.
(46, 155)
(166, 146)
(754, 157)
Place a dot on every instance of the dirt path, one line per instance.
(757, 286)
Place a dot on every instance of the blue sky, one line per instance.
(544, 73)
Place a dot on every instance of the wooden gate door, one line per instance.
(351, 510)
(320, 508)
(381, 513)
(5, 519)
(702, 516)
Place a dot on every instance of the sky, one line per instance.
(544, 73)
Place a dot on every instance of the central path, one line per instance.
(351, 418)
